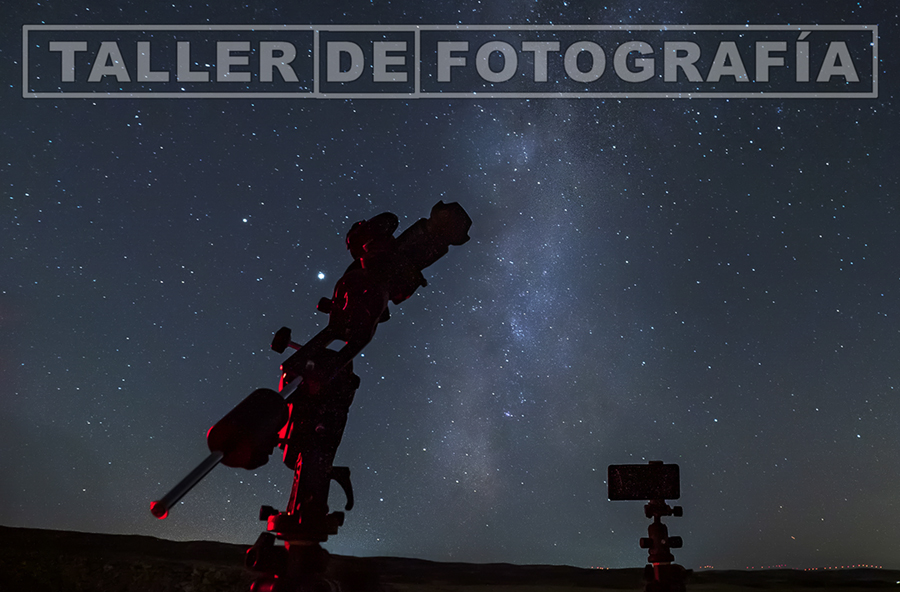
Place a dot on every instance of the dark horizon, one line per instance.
(35, 542)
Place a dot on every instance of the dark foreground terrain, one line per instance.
(47, 560)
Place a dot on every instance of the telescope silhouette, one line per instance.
(306, 416)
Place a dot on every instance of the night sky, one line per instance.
(708, 282)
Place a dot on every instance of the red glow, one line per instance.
(158, 510)
(263, 585)
(283, 432)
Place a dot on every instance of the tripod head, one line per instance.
(658, 540)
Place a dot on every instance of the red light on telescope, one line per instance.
(158, 510)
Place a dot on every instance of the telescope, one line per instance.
(306, 416)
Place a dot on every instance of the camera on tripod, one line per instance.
(655, 483)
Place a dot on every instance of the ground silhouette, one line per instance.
(33, 560)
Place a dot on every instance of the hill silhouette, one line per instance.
(34, 560)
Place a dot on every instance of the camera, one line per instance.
(654, 481)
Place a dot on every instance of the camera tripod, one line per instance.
(662, 574)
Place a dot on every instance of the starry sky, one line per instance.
(707, 282)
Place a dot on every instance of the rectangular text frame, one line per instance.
(416, 29)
